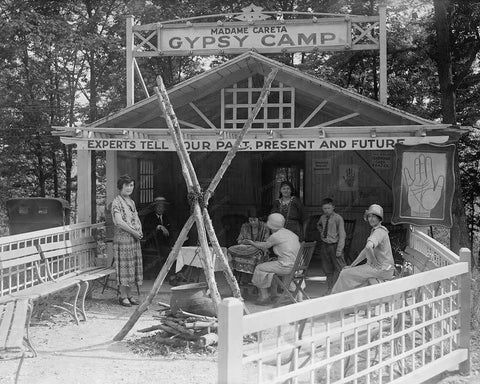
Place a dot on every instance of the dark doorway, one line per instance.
(277, 167)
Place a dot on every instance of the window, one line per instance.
(146, 181)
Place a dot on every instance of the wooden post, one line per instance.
(130, 61)
(465, 310)
(218, 176)
(383, 94)
(84, 183)
(192, 184)
(230, 341)
(158, 281)
(233, 151)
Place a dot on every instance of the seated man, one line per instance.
(157, 233)
(285, 245)
(245, 256)
(377, 251)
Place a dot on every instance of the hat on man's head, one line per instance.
(275, 221)
(374, 209)
(160, 200)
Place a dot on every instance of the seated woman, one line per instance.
(285, 245)
(377, 251)
(290, 207)
(245, 256)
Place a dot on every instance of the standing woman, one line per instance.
(291, 208)
(126, 241)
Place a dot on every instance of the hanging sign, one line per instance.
(266, 36)
(423, 185)
(259, 145)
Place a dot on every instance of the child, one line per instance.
(332, 234)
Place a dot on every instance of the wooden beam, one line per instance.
(130, 97)
(84, 185)
(202, 115)
(346, 117)
(139, 74)
(383, 93)
(320, 106)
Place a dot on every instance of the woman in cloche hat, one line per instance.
(377, 251)
(285, 245)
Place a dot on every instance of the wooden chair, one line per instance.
(349, 230)
(297, 275)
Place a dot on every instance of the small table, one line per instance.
(191, 256)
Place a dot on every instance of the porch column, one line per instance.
(84, 186)
(382, 10)
(112, 176)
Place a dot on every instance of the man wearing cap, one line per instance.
(285, 245)
(157, 228)
(377, 251)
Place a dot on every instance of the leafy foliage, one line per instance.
(63, 64)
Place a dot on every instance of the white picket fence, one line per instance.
(404, 331)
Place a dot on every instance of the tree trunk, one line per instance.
(459, 233)
(444, 61)
(67, 155)
(55, 172)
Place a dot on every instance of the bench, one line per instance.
(40, 270)
(15, 319)
(69, 264)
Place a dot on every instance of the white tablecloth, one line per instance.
(186, 256)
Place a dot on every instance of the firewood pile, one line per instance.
(183, 329)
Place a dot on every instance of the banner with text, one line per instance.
(297, 144)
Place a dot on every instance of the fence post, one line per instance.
(230, 341)
(465, 288)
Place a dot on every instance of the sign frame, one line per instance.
(423, 184)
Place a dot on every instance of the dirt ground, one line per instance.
(85, 353)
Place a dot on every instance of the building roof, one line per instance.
(310, 91)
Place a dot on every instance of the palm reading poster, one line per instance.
(423, 184)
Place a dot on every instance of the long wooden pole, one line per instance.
(209, 227)
(218, 176)
(158, 281)
(192, 181)
(248, 124)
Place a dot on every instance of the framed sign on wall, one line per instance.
(423, 184)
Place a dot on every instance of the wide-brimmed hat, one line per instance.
(374, 209)
(275, 221)
(160, 200)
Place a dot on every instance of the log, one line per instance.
(208, 339)
(195, 316)
(150, 329)
(180, 329)
(201, 325)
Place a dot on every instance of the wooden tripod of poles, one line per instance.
(198, 202)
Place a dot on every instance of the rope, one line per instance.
(196, 197)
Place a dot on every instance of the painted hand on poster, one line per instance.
(424, 191)
(349, 177)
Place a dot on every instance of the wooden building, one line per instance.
(329, 141)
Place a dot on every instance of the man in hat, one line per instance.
(157, 232)
(377, 251)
